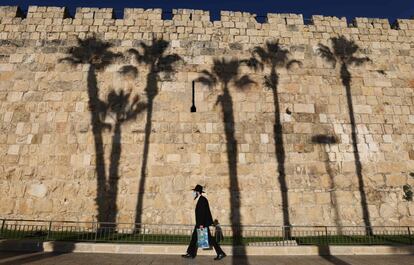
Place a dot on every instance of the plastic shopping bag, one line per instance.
(202, 238)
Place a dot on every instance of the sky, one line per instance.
(391, 9)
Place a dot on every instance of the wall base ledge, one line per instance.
(163, 249)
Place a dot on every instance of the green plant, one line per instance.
(408, 192)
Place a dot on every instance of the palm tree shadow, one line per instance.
(274, 56)
(225, 72)
(96, 54)
(342, 52)
(122, 110)
(326, 141)
(154, 57)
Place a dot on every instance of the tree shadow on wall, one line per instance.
(96, 54)
(274, 56)
(226, 72)
(343, 52)
(325, 141)
(122, 110)
(154, 57)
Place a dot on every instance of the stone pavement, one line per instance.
(11, 258)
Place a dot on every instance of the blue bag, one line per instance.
(202, 238)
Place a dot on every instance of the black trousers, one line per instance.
(193, 247)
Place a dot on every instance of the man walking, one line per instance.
(203, 220)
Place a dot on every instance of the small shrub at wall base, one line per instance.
(408, 193)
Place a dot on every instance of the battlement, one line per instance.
(94, 13)
(140, 13)
(102, 20)
(329, 21)
(288, 19)
(10, 12)
(47, 12)
(190, 15)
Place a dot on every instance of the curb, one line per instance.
(159, 249)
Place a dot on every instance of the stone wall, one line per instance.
(47, 152)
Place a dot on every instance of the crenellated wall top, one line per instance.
(86, 19)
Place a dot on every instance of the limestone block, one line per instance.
(323, 198)
(37, 190)
(411, 119)
(388, 167)
(302, 128)
(411, 154)
(24, 206)
(387, 138)
(363, 109)
(213, 148)
(411, 209)
(13, 150)
(387, 211)
(244, 148)
(171, 158)
(195, 159)
(7, 205)
(53, 96)
(395, 180)
(43, 205)
(264, 138)
(14, 96)
(242, 158)
(304, 108)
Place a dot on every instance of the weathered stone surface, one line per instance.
(305, 108)
(37, 190)
(47, 142)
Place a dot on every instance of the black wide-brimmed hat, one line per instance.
(198, 188)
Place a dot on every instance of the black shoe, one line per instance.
(188, 256)
(220, 256)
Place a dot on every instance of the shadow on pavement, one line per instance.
(17, 258)
(325, 253)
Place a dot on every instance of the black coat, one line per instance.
(202, 212)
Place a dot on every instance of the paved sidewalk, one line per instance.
(10, 258)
